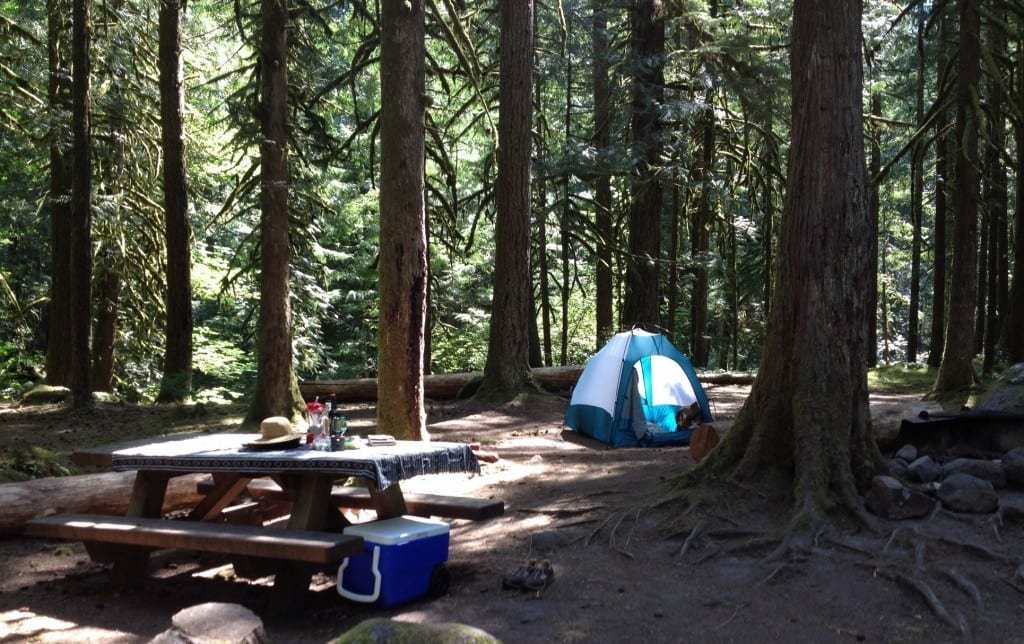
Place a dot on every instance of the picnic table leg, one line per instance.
(225, 488)
(147, 500)
(309, 512)
(389, 502)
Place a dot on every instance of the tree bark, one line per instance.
(80, 297)
(640, 305)
(806, 422)
(58, 340)
(1012, 340)
(176, 383)
(937, 339)
(108, 289)
(956, 373)
(403, 246)
(878, 309)
(277, 390)
(603, 184)
(507, 369)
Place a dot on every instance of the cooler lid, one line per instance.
(389, 532)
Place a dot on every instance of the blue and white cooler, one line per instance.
(403, 559)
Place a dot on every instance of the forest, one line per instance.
(659, 152)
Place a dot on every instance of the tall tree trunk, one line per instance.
(878, 308)
(916, 207)
(940, 262)
(507, 368)
(277, 389)
(603, 183)
(58, 340)
(648, 56)
(108, 289)
(702, 219)
(956, 373)
(403, 251)
(1012, 340)
(176, 384)
(996, 205)
(806, 419)
(80, 297)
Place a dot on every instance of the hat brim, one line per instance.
(277, 441)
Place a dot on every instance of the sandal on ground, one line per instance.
(540, 577)
(518, 578)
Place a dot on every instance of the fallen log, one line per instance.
(450, 386)
(105, 493)
(446, 386)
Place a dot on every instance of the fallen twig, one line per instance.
(611, 538)
(597, 529)
(777, 570)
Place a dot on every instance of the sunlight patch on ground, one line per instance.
(23, 624)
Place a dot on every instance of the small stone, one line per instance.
(991, 471)
(890, 499)
(907, 453)
(965, 493)
(1013, 466)
(924, 470)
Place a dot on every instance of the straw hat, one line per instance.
(274, 430)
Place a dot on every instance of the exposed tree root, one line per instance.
(927, 594)
(693, 535)
(963, 583)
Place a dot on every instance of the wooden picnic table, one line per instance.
(305, 478)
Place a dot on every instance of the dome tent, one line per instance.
(630, 390)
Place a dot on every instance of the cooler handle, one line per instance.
(359, 597)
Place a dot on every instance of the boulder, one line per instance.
(991, 471)
(1007, 394)
(214, 622)
(890, 499)
(965, 493)
(1013, 466)
(380, 630)
(924, 469)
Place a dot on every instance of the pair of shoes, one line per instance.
(518, 578)
(540, 577)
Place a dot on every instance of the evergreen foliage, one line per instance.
(726, 86)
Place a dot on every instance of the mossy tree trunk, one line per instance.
(806, 422)
(277, 389)
(402, 272)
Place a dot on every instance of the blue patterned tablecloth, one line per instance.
(384, 465)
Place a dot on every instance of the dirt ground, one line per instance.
(630, 563)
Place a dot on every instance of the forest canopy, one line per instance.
(693, 119)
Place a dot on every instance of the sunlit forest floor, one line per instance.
(600, 516)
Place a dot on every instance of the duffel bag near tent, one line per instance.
(630, 390)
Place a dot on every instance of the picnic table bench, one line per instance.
(350, 496)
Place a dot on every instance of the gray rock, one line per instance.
(1011, 507)
(890, 499)
(898, 468)
(991, 471)
(924, 470)
(380, 630)
(213, 622)
(1013, 466)
(907, 453)
(965, 493)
